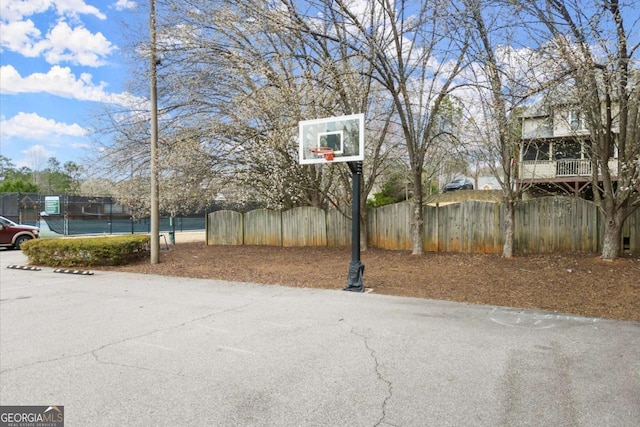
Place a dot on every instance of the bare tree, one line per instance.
(495, 86)
(244, 73)
(598, 51)
(410, 54)
(243, 79)
(346, 76)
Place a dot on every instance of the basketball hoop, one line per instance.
(327, 152)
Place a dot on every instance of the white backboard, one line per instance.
(344, 134)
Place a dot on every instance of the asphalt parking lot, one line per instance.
(139, 350)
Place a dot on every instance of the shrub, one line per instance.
(84, 252)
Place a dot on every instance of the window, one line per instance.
(567, 149)
(536, 151)
(576, 120)
(612, 148)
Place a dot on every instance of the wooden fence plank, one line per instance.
(263, 227)
(338, 229)
(634, 240)
(304, 226)
(372, 228)
(543, 225)
(392, 225)
(225, 228)
(431, 228)
(631, 233)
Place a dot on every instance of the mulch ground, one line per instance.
(580, 284)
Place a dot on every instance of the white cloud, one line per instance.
(76, 7)
(62, 43)
(81, 145)
(124, 5)
(76, 45)
(33, 126)
(16, 10)
(60, 81)
(37, 156)
(18, 36)
(360, 8)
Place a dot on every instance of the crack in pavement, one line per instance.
(379, 374)
(146, 334)
(140, 368)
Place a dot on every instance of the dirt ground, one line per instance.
(580, 284)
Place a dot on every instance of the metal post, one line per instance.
(155, 205)
(356, 267)
(110, 215)
(172, 233)
(66, 216)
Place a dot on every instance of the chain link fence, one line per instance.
(68, 215)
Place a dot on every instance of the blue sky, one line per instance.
(60, 61)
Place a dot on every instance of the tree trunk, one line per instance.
(612, 237)
(509, 228)
(417, 234)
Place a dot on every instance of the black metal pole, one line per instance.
(356, 267)
(110, 215)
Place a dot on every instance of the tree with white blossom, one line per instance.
(597, 48)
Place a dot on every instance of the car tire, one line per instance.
(20, 240)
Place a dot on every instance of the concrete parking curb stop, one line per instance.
(67, 271)
(23, 267)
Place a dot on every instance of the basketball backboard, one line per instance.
(344, 134)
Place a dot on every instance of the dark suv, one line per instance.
(13, 235)
(458, 184)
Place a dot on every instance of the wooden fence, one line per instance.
(554, 224)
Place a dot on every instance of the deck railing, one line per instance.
(573, 168)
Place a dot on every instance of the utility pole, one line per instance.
(155, 205)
